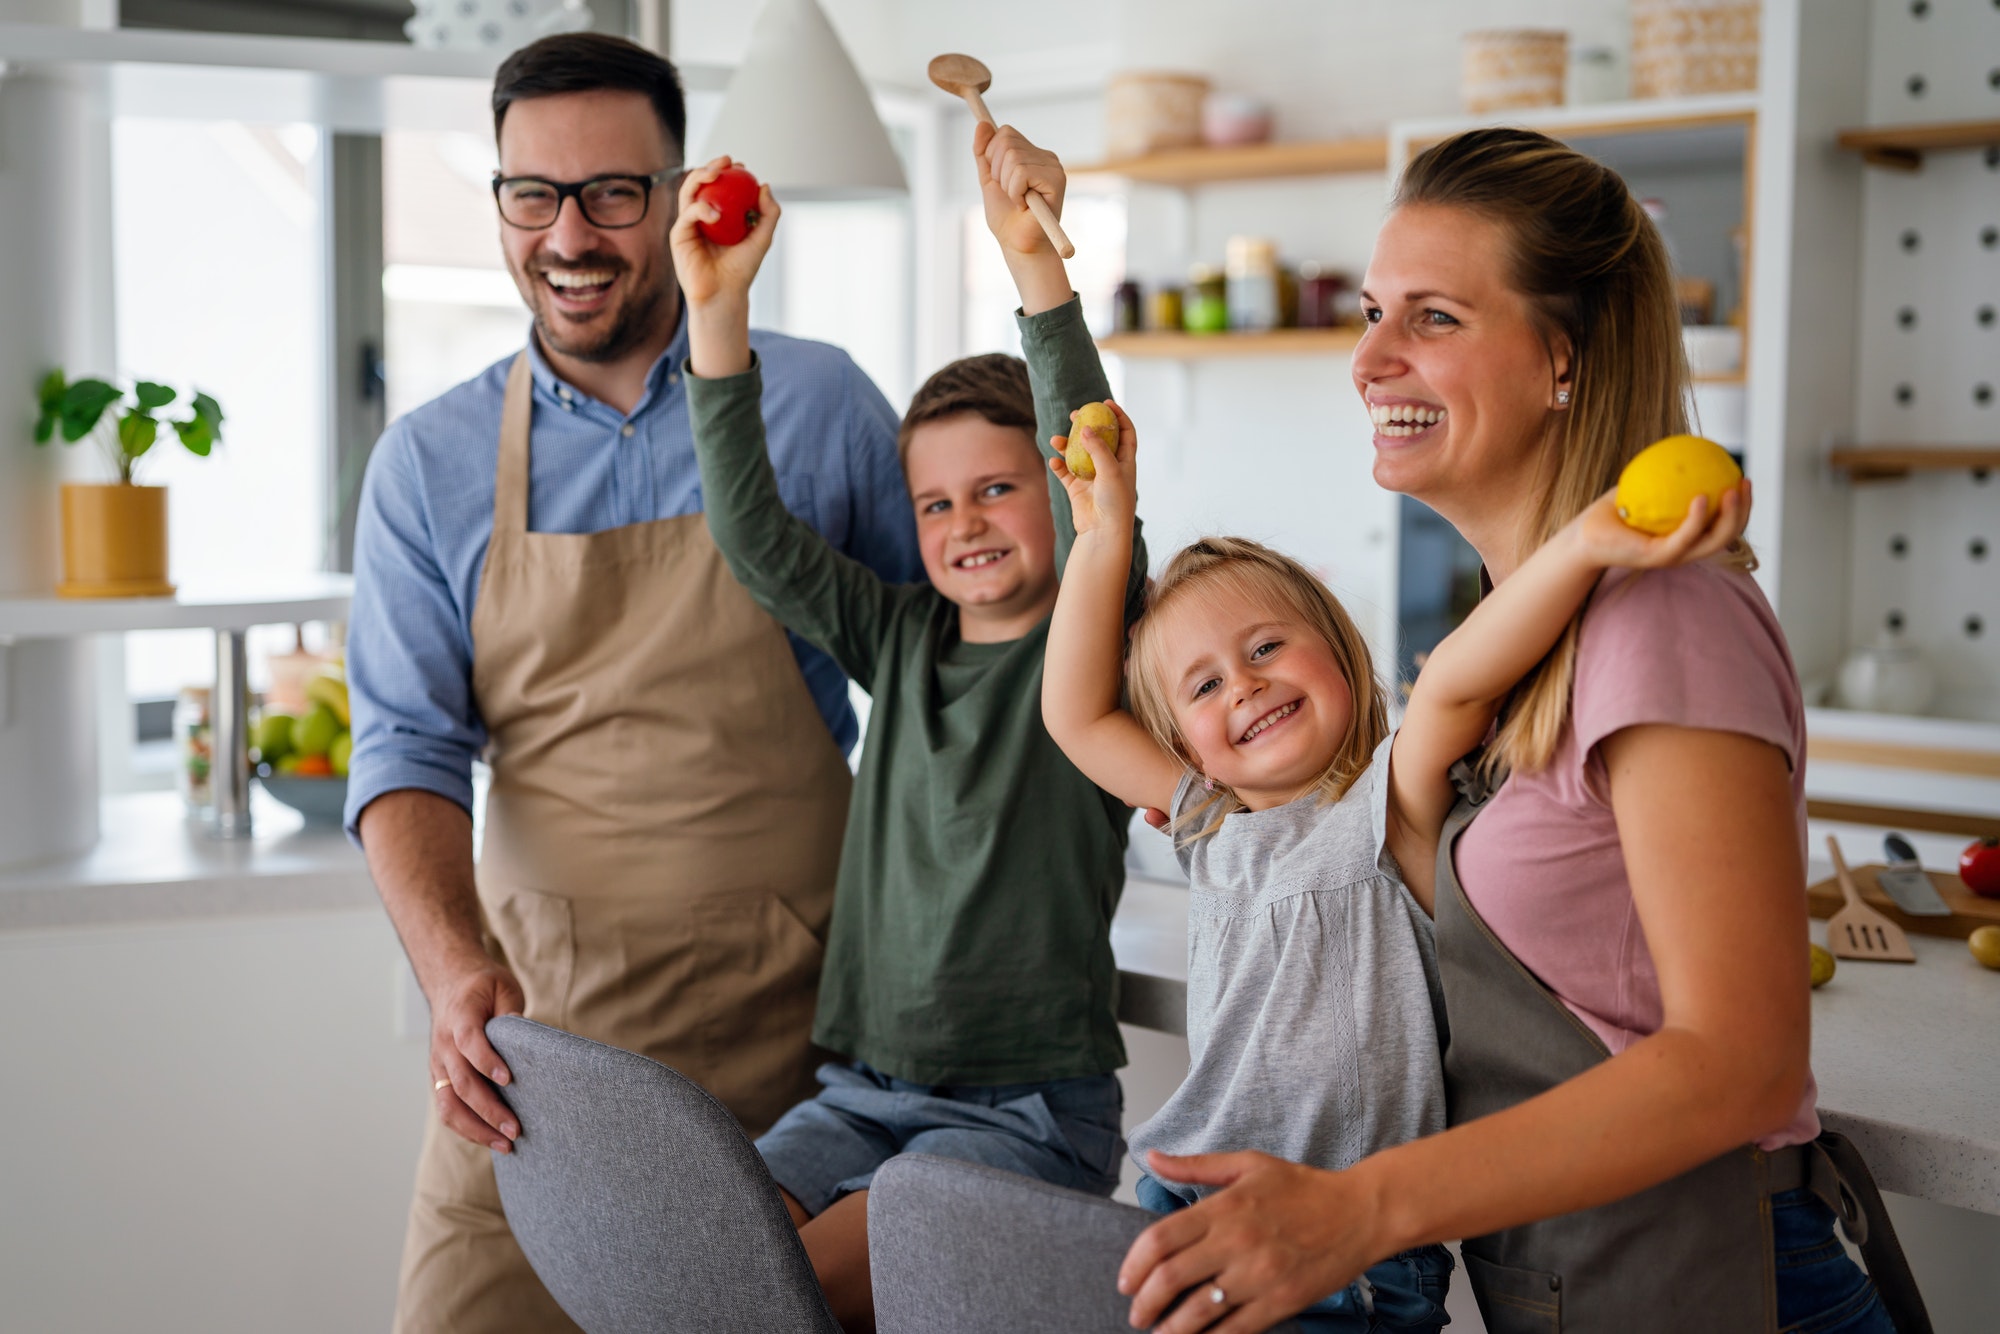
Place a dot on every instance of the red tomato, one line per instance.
(734, 194)
(1979, 868)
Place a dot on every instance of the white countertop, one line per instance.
(153, 864)
(1907, 1056)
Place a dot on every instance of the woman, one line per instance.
(1622, 931)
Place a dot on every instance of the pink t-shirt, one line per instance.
(1695, 646)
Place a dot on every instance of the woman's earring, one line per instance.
(1562, 398)
(1208, 783)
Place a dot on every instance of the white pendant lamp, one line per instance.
(798, 115)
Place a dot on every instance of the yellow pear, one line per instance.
(1098, 418)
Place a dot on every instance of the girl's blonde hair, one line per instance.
(1242, 571)
(1596, 274)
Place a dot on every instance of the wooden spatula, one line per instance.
(962, 76)
(1858, 931)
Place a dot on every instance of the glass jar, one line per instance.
(1206, 306)
(1320, 291)
(1167, 309)
(1252, 283)
(194, 755)
(1126, 303)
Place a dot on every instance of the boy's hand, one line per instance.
(711, 273)
(1112, 497)
(1605, 541)
(1009, 167)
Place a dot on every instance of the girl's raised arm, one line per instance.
(1084, 670)
(1461, 688)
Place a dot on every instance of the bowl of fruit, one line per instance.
(302, 757)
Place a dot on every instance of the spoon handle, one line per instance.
(1036, 204)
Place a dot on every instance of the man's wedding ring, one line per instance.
(1215, 1296)
(440, 1084)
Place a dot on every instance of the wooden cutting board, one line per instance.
(1968, 910)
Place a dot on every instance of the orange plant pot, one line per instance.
(114, 542)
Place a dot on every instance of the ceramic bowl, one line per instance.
(320, 800)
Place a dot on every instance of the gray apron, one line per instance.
(1692, 1253)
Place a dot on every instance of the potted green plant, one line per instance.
(115, 535)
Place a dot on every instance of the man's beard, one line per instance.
(597, 340)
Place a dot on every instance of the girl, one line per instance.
(1258, 724)
(1625, 959)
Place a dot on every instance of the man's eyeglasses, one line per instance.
(532, 203)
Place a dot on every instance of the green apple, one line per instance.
(339, 753)
(315, 732)
(274, 736)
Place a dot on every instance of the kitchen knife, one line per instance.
(1903, 880)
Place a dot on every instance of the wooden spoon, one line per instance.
(962, 76)
(1858, 931)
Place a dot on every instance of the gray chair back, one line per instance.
(959, 1248)
(638, 1199)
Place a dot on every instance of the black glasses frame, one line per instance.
(574, 190)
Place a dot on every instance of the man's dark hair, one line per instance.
(992, 385)
(586, 62)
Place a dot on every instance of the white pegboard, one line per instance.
(1933, 60)
(1925, 552)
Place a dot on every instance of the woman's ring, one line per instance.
(1215, 1297)
(440, 1084)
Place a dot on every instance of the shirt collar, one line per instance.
(562, 391)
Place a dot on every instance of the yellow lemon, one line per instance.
(1822, 967)
(1100, 419)
(1985, 945)
(1661, 482)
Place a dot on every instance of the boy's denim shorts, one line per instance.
(1063, 1131)
(1402, 1295)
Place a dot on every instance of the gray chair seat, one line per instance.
(959, 1248)
(639, 1201)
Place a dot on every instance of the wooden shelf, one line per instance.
(1874, 463)
(1902, 147)
(1203, 347)
(1251, 162)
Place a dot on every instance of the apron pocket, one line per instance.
(1514, 1301)
(537, 937)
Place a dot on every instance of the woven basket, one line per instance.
(1145, 112)
(1507, 68)
(1685, 47)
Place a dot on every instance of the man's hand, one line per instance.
(715, 279)
(1008, 167)
(1112, 496)
(460, 1054)
(1276, 1239)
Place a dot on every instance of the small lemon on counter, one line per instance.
(1099, 418)
(1822, 967)
(1985, 945)
(1662, 480)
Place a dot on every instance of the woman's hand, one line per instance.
(711, 273)
(1275, 1239)
(1111, 497)
(1607, 541)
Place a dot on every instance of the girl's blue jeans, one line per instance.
(1404, 1294)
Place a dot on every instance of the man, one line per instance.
(668, 788)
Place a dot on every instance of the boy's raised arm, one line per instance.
(1468, 677)
(1063, 363)
(788, 569)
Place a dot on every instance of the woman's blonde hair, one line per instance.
(1596, 275)
(1242, 571)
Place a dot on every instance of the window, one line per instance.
(218, 255)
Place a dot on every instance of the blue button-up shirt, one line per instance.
(427, 514)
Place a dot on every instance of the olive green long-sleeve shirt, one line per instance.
(971, 932)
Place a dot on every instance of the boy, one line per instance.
(969, 978)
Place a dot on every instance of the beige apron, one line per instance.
(661, 838)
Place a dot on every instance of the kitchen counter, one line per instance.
(1906, 1056)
